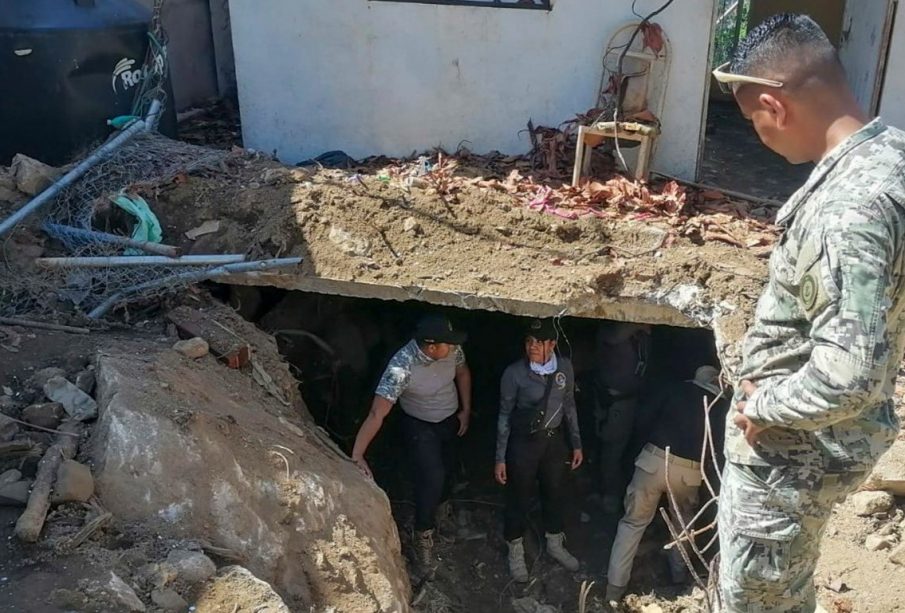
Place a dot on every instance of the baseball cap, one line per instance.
(541, 329)
(438, 329)
(707, 378)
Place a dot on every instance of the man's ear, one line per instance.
(776, 107)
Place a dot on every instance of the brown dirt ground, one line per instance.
(476, 241)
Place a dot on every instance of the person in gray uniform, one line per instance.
(430, 380)
(537, 396)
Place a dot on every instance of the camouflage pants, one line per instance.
(771, 520)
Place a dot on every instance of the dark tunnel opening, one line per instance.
(338, 348)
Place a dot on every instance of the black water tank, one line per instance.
(66, 67)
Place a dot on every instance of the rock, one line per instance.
(15, 494)
(193, 348)
(157, 575)
(889, 529)
(348, 243)
(238, 588)
(169, 600)
(8, 191)
(304, 535)
(898, 555)
(44, 415)
(32, 177)
(10, 476)
(74, 483)
(40, 378)
(273, 176)
(651, 608)
(85, 381)
(10, 195)
(114, 593)
(889, 473)
(876, 542)
(192, 566)
(8, 429)
(8, 404)
(410, 224)
(76, 403)
(872, 503)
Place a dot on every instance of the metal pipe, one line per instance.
(76, 173)
(192, 276)
(68, 233)
(117, 261)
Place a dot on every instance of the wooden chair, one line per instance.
(644, 87)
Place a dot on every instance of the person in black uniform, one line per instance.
(537, 397)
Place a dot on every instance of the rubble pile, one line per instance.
(184, 471)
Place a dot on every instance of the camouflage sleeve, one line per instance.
(395, 378)
(508, 393)
(844, 295)
(460, 356)
(569, 410)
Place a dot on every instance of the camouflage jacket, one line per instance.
(829, 330)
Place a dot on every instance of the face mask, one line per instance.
(547, 368)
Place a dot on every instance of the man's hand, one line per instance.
(750, 429)
(577, 458)
(464, 419)
(499, 472)
(363, 467)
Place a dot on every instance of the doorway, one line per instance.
(733, 156)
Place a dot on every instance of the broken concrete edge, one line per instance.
(661, 309)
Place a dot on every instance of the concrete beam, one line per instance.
(590, 306)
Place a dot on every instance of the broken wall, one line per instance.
(391, 77)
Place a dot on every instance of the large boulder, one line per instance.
(199, 451)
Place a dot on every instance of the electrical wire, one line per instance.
(620, 77)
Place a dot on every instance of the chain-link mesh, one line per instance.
(148, 159)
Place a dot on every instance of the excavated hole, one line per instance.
(338, 348)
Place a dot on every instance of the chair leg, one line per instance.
(642, 169)
(579, 158)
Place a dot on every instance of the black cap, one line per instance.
(438, 329)
(541, 329)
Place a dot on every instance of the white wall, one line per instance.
(390, 78)
(892, 101)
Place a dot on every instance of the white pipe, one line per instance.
(118, 261)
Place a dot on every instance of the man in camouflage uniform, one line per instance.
(814, 407)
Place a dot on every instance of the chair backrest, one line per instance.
(645, 70)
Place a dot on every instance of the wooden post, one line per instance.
(30, 523)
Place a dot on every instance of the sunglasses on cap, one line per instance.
(727, 80)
